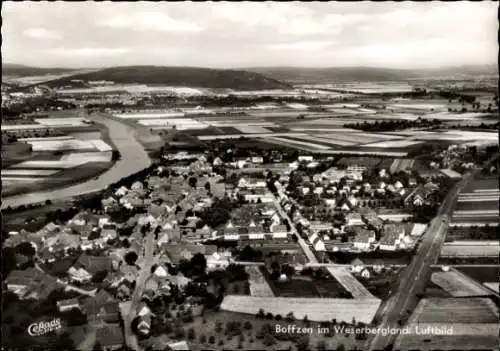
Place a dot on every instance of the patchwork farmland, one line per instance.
(472, 325)
(458, 284)
(59, 151)
(477, 204)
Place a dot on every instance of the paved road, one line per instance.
(307, 250)
(417, 274)
(145, 272)
(133, 159)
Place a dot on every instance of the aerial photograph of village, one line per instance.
(250, 176)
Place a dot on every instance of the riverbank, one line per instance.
(133, 158)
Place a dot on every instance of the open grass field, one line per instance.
(458, 285)
(454, 310)
(316, 309)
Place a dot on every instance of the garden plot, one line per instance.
(458, 284)
(27, 172)
(394, 144)
(252, 129)
(61, 122)
(258, 283)
(350, 283)
(299, 143)
(61, 145)
(316, 309)
(449, 309)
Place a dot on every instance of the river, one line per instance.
(133, 159)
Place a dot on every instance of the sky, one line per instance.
(250, 34)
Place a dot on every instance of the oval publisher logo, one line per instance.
(41, 328)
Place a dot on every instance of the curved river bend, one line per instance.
(133, 159)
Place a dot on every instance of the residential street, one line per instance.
(149, 246)
(305, 247)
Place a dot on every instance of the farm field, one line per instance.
(448, 310)
(394, 144)
(325, 141)
(252, 129)
(27, 172)
(401, 164)
(464, 337)
(258, 283)
(458, 285)
(476, 233)
(472, 249)
(68, 145)
(298, 143)
(482, 273)
(316, 309)
(237, 136)
(455, 115)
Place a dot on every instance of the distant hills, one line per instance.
(258, 78)
(365, 74)
(9, 69)
(159, 75)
